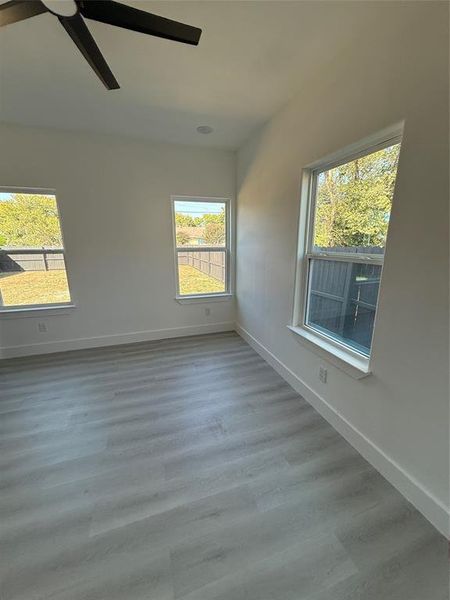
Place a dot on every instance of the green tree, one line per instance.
(214, 217)
(30, 220)
(214, 234)
(182, 238)
(353, 201)
(184, 220)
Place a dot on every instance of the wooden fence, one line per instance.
(210, 263)
(343, 297)
(31, 259)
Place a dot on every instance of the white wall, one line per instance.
(114, 201)
(398, 416)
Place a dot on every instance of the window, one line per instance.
(202, 241)
(32, 264)
(345, 232)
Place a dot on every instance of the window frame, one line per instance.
(342, 355)
(188, 298)
(25, 309)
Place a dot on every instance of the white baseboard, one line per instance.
(114, 340)
(425, 502)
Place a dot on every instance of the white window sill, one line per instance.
(355, 366)
(206, 298)
(35, 311)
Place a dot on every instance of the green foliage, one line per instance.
(182, 238)
(213, 224)
(29, 220)
(183, 220)
(353, 201)
(214, 233)
(214, 218)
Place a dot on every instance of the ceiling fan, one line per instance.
(71, 12)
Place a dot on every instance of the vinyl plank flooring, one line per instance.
(200, 561)
(187, 469)
(311, 565)
(148, 580)
(149, 497)
(419, 571)
(185, 520)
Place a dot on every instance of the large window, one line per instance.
(201, 231)
(349, 205)
(32, 265)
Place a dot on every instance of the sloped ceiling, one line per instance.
(253, 56)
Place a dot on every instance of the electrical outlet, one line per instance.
(207, 311)
(323, 374)
(42, 327)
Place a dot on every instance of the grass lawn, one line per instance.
(47, 287)
(193, 281)
(34, 287)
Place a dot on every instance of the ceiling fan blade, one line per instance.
(114, 13)
(19, 10)
(80, 34)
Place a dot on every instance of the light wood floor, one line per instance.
(188, 469)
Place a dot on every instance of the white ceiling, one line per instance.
(252, 57)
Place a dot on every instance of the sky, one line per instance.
(198, 209)
(5, 196)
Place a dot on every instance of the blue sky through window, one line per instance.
(5, 196)
(198, 209)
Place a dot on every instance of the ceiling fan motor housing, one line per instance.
(61, 8)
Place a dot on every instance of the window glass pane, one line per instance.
(342, 300)
(202, 272)
(353, 203)
(32, 267)
(200, 223)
